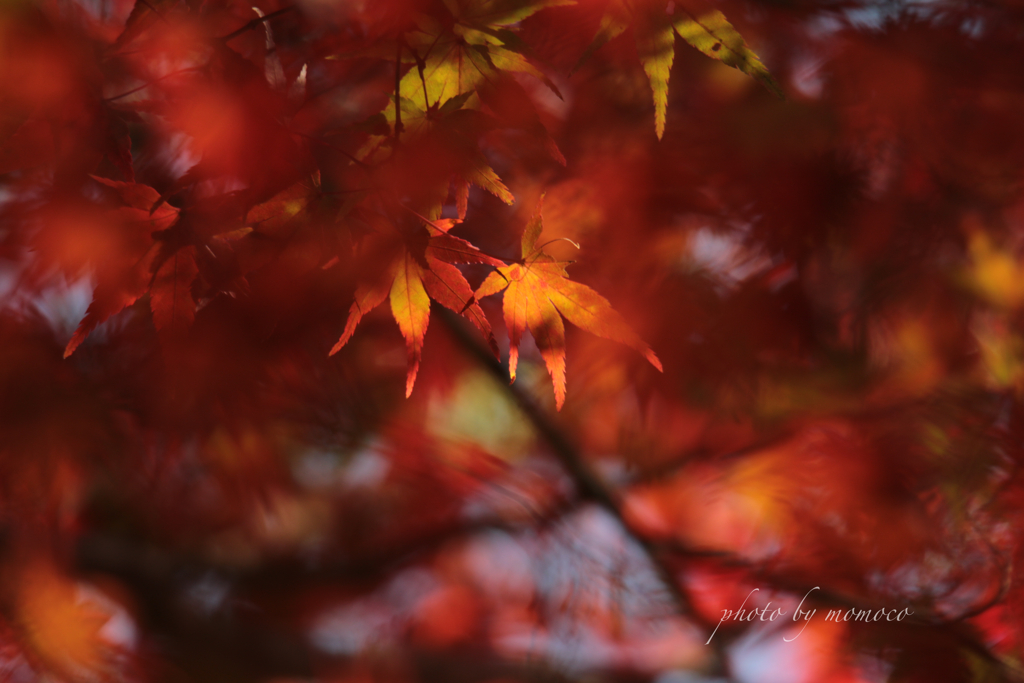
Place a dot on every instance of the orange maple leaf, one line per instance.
(411, 281)
(538, 294)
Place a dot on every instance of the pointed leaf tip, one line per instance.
(410, 306)
(367, 297)
(656, 47)
(538, 294)
(410, 378)
(75, 342)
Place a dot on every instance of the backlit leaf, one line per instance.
(713, 35)
(656, 47)
(367, 298)
(410, 283)
(122, 283)
(411, 308)
(538, 294)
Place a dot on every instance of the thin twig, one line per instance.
(153, 82)
(257, 22)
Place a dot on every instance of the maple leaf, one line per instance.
(654, 32)
(120, 285)
(538, 294)
(439, 96)
(454, 60)
(656, 46)
(712, 34)
(411, 280)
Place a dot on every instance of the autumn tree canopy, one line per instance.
(287, 389)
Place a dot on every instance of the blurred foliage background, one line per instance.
(832, 280)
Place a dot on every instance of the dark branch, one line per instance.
(588, 484)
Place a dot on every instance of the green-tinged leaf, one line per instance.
(713, 35)
(507, 60)
(455, 103)
(484, 176)
(656, 47)
(453, 61)
(613, 24)
(449, 69)
(710, 33)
